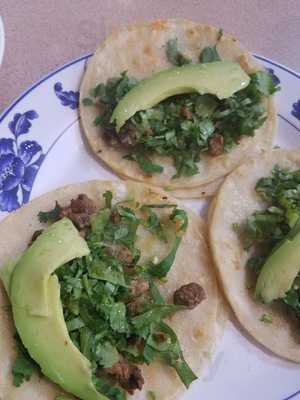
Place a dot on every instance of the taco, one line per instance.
(151, 126)
(105, 282)
(254, 237)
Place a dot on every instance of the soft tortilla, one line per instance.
(197, 329)
(140, 50)
(235, 201)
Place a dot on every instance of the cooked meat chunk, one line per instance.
(127, 135)
(138, 286)
(216, 145)
(134, 307)
(128, 375)
(189, 295)
(79, 211)
(186, 112)
(83, 204)
(124, 255)
(35, 235)
(115, 217)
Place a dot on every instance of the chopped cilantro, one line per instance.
(209, 54)
(50, 216)
(96, 291)
(23, 366)
(145, 163)
(108, 198)
(174, 56)
(267, 318)
(151, 395)
(263, 82)
(87, 101)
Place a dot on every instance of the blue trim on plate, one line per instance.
(290, 71)
(85, 57)
(289, 122)
(31, 88)
(292, 395)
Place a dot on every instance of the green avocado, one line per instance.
(281, 268)
(38, 312)
(221, 78)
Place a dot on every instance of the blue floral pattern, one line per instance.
(296, 110)
(19, 163)
(275, 78)
(68, 99)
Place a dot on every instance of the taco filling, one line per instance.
(272, 236)
(111, 302)
(182, 126)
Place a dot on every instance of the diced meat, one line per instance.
(115, 217)
(124, 255)
(134, 307)
(35, 235)
(186, 112)
(139, 286)
(189, 295)
(127, 135)
(79, 211)
(128, 375)
(216, 145)
(83, 204)
(159, 337)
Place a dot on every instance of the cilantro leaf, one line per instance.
(23, 366)
(50, 216)
(263, 82)
(108, 198)
(111, 272)
(174, 56)
(172, 355)
(161, 269)
(87, 101)
(146, 164)
(107, 355)
(155, 314)
(117, 318)
(209, 54)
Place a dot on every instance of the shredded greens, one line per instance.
(103, 314)
(265, 230)
(181, 127)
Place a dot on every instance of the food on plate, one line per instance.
(176, 104)
(111, 292)
(254, 237)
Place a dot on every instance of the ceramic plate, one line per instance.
(41, 148)
(2, 40)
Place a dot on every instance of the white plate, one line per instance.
(41, 148)
(2, 40)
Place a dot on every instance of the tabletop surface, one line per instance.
(41, 35)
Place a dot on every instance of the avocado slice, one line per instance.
(57, 245)
(45, 334)
(221, 78)
(280, 269)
